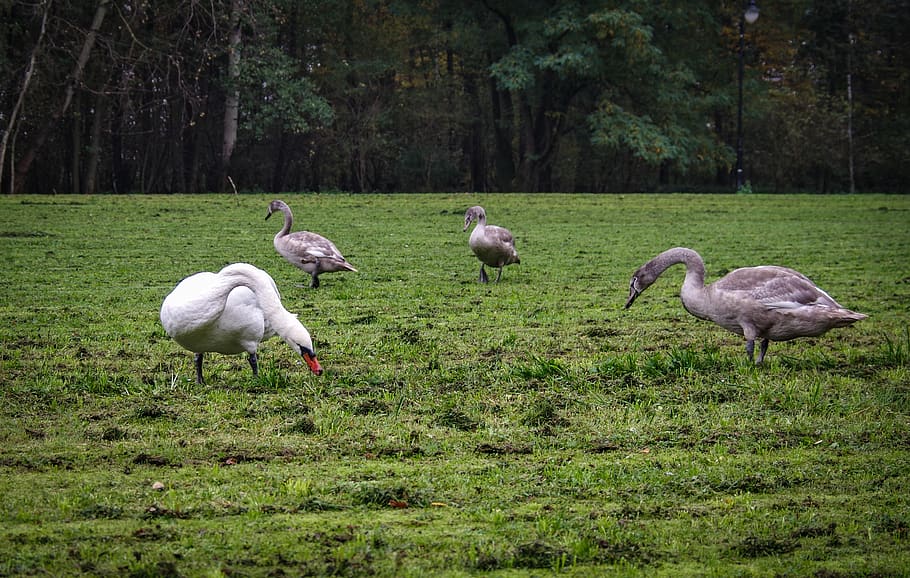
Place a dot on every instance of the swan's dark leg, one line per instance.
(254, 364)
(314, 283)
(498, 276)
(750, 349)
(761, 352)
(483, 274)
(198, 364)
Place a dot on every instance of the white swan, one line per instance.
(493, 245)
(232, 311)
(310, 252)
(767, 302)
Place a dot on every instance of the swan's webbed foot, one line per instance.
(254, 364)
(314, 282)
(198, 363)
(483, 275)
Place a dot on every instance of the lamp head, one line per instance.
(751, 14)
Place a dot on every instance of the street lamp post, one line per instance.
(749, 16)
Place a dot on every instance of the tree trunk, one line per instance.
(541, 124)
(850, 150)
(121, 173)
(94, 156)
(503, 112)
(177, 116)
(472, 145)
(232, 101)
(25, 163)
(279, 170)
(192, 144)
(359, 169)
(76, 153)
(504, 171)
(527, 150)
(26, 81)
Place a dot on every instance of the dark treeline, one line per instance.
(171, 96)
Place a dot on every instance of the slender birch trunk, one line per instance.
(232, 101)
(94, 156)
(850, 151)
(25, 163)
(20, 100)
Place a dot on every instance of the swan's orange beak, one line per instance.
(312, 363)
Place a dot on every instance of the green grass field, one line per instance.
(528, 427)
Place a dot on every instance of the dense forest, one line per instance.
(170, 96)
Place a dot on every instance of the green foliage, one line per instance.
(614, 127)
(745, 189)
(529, 426)
(515, 71)
(626, 31)
(646, 103)
(276, 97)
(386, 95)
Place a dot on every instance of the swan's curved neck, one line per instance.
(288, 221)
(695, 266)
(259, 283)
(284, 323)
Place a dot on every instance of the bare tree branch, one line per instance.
(25, 163)
(26, 80)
